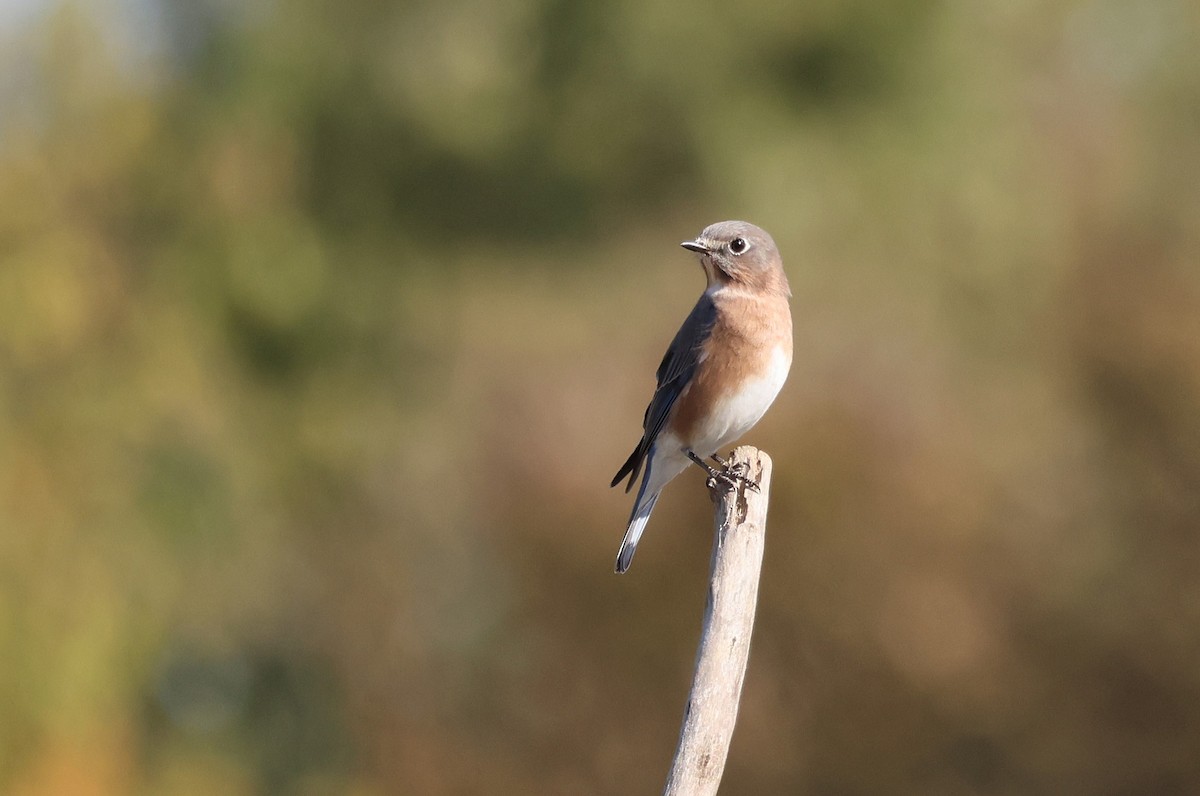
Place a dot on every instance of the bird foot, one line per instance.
(729, 474)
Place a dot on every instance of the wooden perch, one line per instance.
(740, 529)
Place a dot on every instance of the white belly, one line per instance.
(738, 414)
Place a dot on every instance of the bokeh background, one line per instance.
(324, 325)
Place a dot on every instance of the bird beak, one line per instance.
(695, 246)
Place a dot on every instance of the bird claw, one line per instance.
(729, 474)
(740, 471)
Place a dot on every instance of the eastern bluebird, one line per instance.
(722, 370)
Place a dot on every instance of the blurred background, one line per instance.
(324, 326)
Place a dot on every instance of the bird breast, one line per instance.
(736, 412)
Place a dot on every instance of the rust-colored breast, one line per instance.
(749, 329)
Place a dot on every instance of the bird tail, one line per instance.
(637, 524)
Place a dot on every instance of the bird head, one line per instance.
(739, 253)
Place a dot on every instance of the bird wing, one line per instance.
(674, 375)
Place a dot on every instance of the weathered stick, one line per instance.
(740, 529)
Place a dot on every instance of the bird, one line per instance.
(722, 370)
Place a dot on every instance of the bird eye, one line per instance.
(738, 245)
